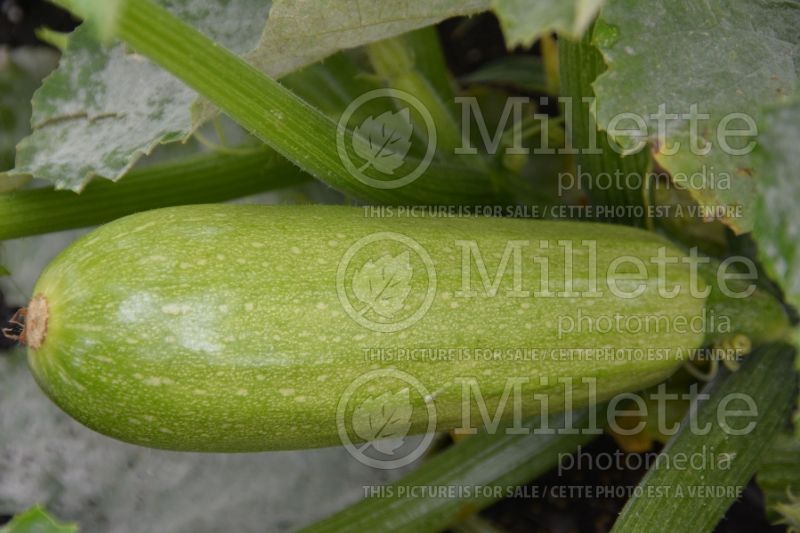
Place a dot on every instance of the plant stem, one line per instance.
(210, 177)
(550, 61)
(667, 499)
(580, 64)
(430, 62)
(271, 112)
(414, 63)
(394, 61)
(332, 84)
(494, 463)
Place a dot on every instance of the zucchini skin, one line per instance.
(219, 327)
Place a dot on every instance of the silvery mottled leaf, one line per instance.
(385, 419)
(298, 34)
(36, 520)
(384, 285)
(524, 21)
(21, 72)
(724, 57)
(383, 142)
(104, 107)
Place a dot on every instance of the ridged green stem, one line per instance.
(480, 464)
(395, 62)
(667, 499)
(206, 178)
(580, 64)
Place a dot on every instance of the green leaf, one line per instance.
(383, 422)
(106, 107)
(672, 498)
(296, 35)
(725, 57)
(523, 21)
(777, 227)
(384, 285)
(36, 520)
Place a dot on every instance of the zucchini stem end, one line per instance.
(29, 324)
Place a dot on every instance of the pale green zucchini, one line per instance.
(241, 328)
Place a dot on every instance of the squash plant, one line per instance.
(231, 329)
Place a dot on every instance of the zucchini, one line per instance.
(240, 328)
